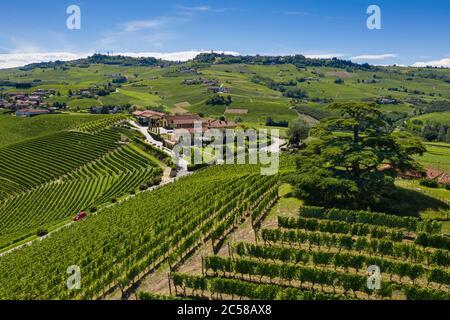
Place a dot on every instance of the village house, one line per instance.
(150, 118)
(156, 120)
(201, 81)
(31, 112)
(4, 104)
(19, 100)
(219, 124)
(185, 121)
(219, 90)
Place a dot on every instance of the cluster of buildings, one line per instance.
(201, 81)
(157, 120)
(86, 92)
(387, 100)
(214, 85)
(27, 104)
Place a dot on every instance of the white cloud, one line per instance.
(445, 62)
(138, 25)
(374, 56)
(189, 11)
(13, 60)
(198, 8)
(324, 55)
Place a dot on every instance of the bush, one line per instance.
(447, 186)
(295, 94)
(195, 167)
(144, 186)
(219, 100)
(42, 232)
(429, 183)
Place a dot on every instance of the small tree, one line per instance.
(297, 132)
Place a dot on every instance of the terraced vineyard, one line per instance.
(48, 180)
(29, 164)
(325, 255)
(120, 244)
(99, 125)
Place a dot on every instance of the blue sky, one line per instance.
(412, 31)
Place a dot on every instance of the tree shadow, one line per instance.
(406, 202)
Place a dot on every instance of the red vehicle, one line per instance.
(80, 216)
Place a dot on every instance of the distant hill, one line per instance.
(102, 59)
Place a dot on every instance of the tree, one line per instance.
(295, 93)
(298, 131)
(354, 159)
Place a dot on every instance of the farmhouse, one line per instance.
(150, 118)
(219, 124)
(387, 101)
(185, 121)
(4, 104)
(219, 90)
(156, 120)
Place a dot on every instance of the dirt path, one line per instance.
(158, 281)
(309, 119)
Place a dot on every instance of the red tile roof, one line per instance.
(148, 114)
(219, 124)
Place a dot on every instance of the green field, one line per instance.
(441, 117)
(437, 156)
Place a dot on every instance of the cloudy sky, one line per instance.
(414, 32)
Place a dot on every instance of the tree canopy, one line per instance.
(297, 132)
(353, 159)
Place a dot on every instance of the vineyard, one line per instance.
(325, 254)
(118, 246)
(48, 180)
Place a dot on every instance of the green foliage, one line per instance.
(295, 93)
(219, 100)
(414, 253)
(342, 166)
(429, 183)
(298, 131)
(149, 296)
(372, 218)
(248, 290)
(345, 260)
(355, 229)
(127, 239)
(349, 282)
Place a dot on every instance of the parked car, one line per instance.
(80, 216)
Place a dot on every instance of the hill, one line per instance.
(261, 86)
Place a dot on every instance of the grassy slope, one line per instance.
(437, 156)
(429, 209)
(154, 86)
(442, 117)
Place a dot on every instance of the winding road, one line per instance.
(182, 164)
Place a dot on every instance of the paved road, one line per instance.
(182, 164)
